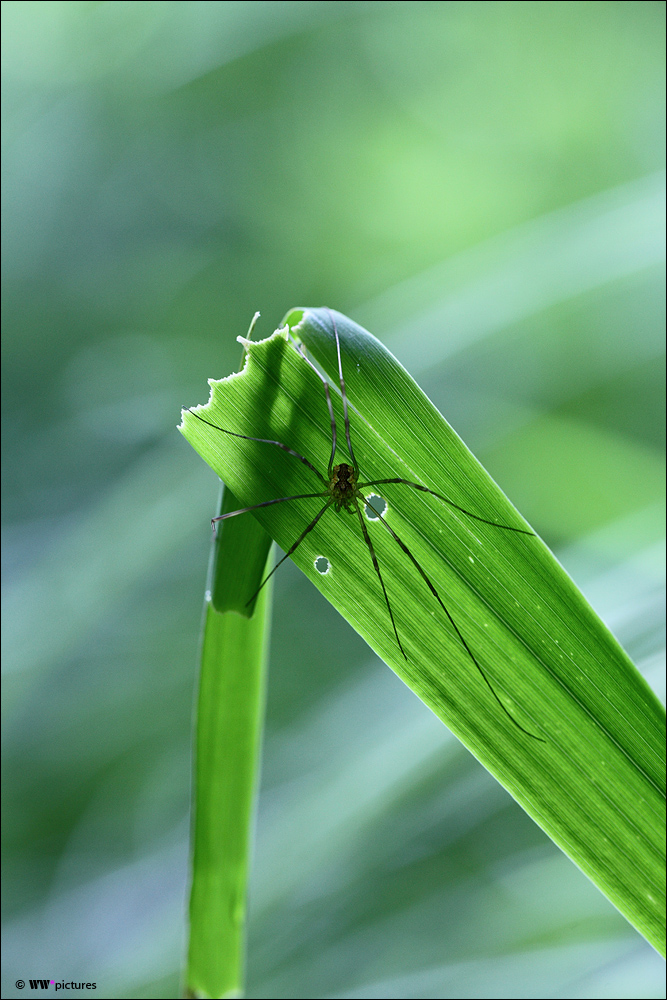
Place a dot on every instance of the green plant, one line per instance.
(596, 784)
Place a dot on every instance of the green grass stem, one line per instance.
(228, 735)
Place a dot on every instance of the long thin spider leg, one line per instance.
(343, 394)
(245, 437)
(329, 404)
(425, 489)
(293, 548)
(377, 570)
(264, 503)
(467, 648)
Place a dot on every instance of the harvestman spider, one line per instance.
(343, 490)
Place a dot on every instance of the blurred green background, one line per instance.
(480, 185)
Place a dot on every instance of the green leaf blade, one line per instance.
(597, 784)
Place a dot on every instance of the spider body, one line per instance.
(343, 488)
